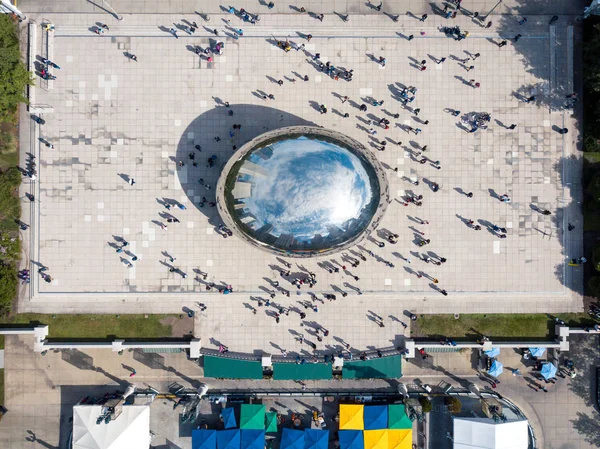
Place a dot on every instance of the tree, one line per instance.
(454, 405)
(14, 77)
(594, 286)
(594, 186)
(426, 404)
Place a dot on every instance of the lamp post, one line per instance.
(491, 10)
(114, 13)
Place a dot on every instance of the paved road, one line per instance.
(40, 390)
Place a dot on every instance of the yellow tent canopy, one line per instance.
(376, 439)
(351, 417)
(399, 439)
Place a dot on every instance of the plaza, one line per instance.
(114, 119)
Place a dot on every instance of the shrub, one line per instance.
(426, 404)
(594, 286)
(8, 287)
(454, 405)
(14, 76)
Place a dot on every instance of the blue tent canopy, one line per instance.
(351, 439)
(496, 369)
(228, 439)
(204, 439)
(492, 352)
(316, 439)
(548, 371)
(537, 352)
(252, 439)
(228, 418)
(375, 417)
(292, 439)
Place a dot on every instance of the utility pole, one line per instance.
(491, 10)
(114, 13)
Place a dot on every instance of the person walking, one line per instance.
(173, 31)
(133, 372)
(488, 25)
(502, 44)
(423, 18)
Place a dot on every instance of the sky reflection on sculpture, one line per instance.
(304, 194)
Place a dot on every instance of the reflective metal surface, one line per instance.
(303, 193)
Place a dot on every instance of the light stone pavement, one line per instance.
(41, 390)
(115, 118)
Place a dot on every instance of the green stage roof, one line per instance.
(221, 367)
(271, 422)
(252, 416)
(397, 418)
(380, 368)
(306, 371)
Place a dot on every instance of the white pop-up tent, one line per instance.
(130, 430)
(485, 433)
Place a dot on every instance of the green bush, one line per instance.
(8, 287)
(590, 143)
(426, 404)
(593, 188)
(454, 405)
(14, 77)
(594, 286)
(596, 258)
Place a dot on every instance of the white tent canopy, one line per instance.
(485, 433)
(131, 430)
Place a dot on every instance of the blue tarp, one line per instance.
(316, 439)
(548, 371)
(204, 439)
(537, 352)
(375, 417)
(292, 439)
(252, 439)
(351, 439)
(496, 369)
(228, 439)
(492, 352)
(228, 418)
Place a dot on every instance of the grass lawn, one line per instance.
(592, 157)
(99, 326)
(508, 326)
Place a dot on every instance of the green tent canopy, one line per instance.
(252, 416)
(397, 418)
(271, 422)
(380, 368)
(306, 371)
(224, 368)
